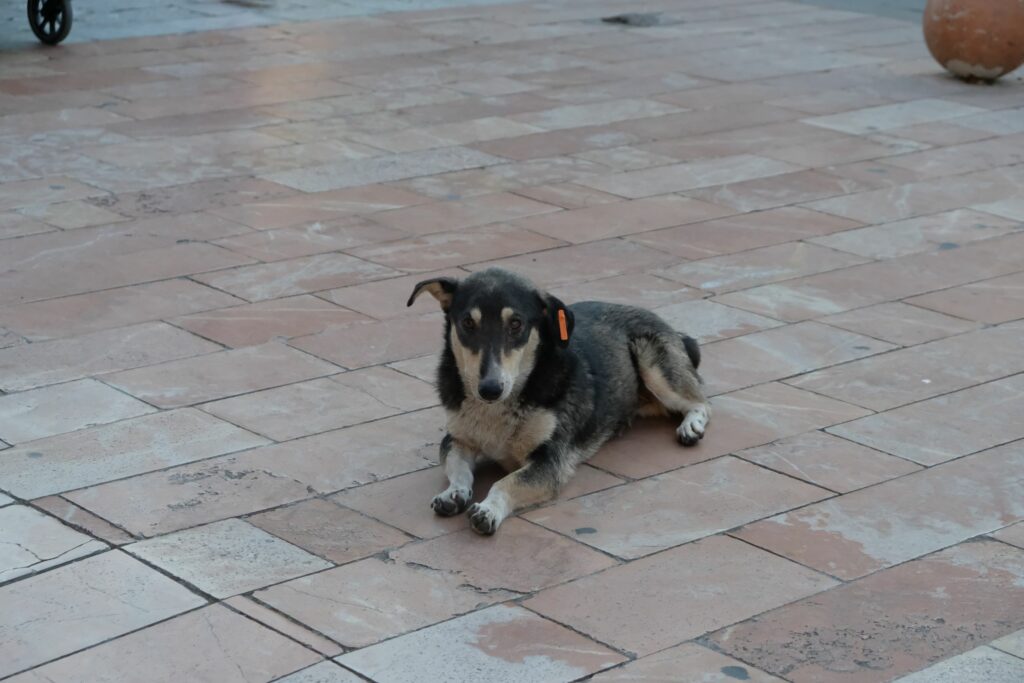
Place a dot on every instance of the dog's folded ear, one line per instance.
(441, 288)
(560, 319)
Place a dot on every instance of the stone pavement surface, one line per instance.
(218, 434)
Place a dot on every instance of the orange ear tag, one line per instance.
(563, 329)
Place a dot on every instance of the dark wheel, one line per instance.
(50, 19)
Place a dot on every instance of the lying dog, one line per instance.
(538, 386)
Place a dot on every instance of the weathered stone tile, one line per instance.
(946, 230)
(743, 232)
(889, 116)
(758, 266)
(522, 559)
(198, 196)
(81, 518)
(282, 624)
(32, 542)
(637, 289)
(262, 322)
(891, 623)
(669, 509)
(743, 419)
(902, 519)
(582, 262)
(99, 454)
(354, 604)
(899, 323)
(707, 321)
(778, 190)
(442, 250)
(306, 240)
(456, 215)
(989, 301)
(1013, 643)
(844, 150)
(1009, 208)
(39, 413)
(329, 530)
(824, 460)
(324, 404)
(627, 158)
(980, 665)
(1013, 534)
(206, 378)
(568, 195)
(689, 176)
(685, 662)
(922, 371)
(404, 501)
(945, 427)
(84, 313)
(622, 218)
(385, 299)
(295, 276)
(14, 224)
(370, 343)
(468, 647)
(782, 352)
(324, 672)
(595, 114)
(959, 159)
(35, 365)
(72, 215)
(227, 558)
(19, 194)
(677, 595)
(211, 645)
(83, 603)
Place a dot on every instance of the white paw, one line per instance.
(692, 428)
(451, 501)
(483, 518)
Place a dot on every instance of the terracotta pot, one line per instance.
(976, 39)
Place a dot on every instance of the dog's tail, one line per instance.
(692, 349)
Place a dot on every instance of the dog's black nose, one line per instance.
(490, 389)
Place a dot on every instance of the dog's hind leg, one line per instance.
(458, 466)
(535, 482)
(668, 368)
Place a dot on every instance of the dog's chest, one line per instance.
(504, 435)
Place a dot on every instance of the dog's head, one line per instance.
(497, 323)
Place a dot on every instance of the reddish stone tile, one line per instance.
(205, 378)
(899, 323)
(946, 230)
(990, 301)
(669, 509)
(827, 461)
(899, 520)
(259, 323)
(385, 299)
(621, 218)
(324, 404)
(16, 195)
(891, 623)
(306, 240)
(404, 502)
(707, 321)
(685, 662)
(743, 419)
(449, 249)
(582, 262)
(213, 644)
(360, 344)
(689, 176)
(637, 289)
(1013, 534)
(944, 427)
(922, 371)
(201, 196)
(843, 150)
(468, 647)
(103, 596)
(34, 365)
(72, 215)
(80, 518)
(295, 276)
(940, 133)
(277, 622)
(354, 604)
(758, 266)
(468, 213)
(84, 313)
(745, 140)
(567, 195)
(676, 595)
(522, 559)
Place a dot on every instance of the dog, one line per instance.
(539, 387)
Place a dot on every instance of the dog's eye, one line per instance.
(515, 325)
(468, 324)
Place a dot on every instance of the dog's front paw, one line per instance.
(451, 502)
(483, 519)
(692, 429)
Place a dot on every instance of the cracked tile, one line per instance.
(31, 542)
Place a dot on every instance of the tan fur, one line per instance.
(494, 431)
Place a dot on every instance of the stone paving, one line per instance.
(217, 424)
